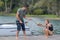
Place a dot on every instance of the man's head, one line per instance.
(46, 21)
(26, 6)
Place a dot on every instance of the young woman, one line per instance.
(49, 28)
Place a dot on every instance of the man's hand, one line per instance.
(27, 18)
(21, 22)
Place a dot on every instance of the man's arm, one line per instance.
(27, 18)
(17, 16)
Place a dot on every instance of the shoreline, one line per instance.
(40, 37)
(53, 17)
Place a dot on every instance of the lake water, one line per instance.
(32, 25)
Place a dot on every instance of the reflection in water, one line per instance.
(32, 24)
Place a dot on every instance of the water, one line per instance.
(32, 25)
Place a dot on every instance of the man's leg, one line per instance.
(24, 33)
(23, 29)
(18, 29)
(17, 33)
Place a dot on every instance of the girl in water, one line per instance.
(49, 28)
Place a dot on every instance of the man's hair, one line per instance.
(26, 5)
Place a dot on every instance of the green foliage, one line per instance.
(38, 12)
(44, 6)
(1, 3)
(15, 10)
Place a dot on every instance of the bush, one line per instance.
(38, 12)
(15, 10)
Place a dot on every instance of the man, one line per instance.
(20, 22)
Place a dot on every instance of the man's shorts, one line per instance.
(20, 26)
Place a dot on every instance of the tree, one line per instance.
(1, 5)
(6, 5)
